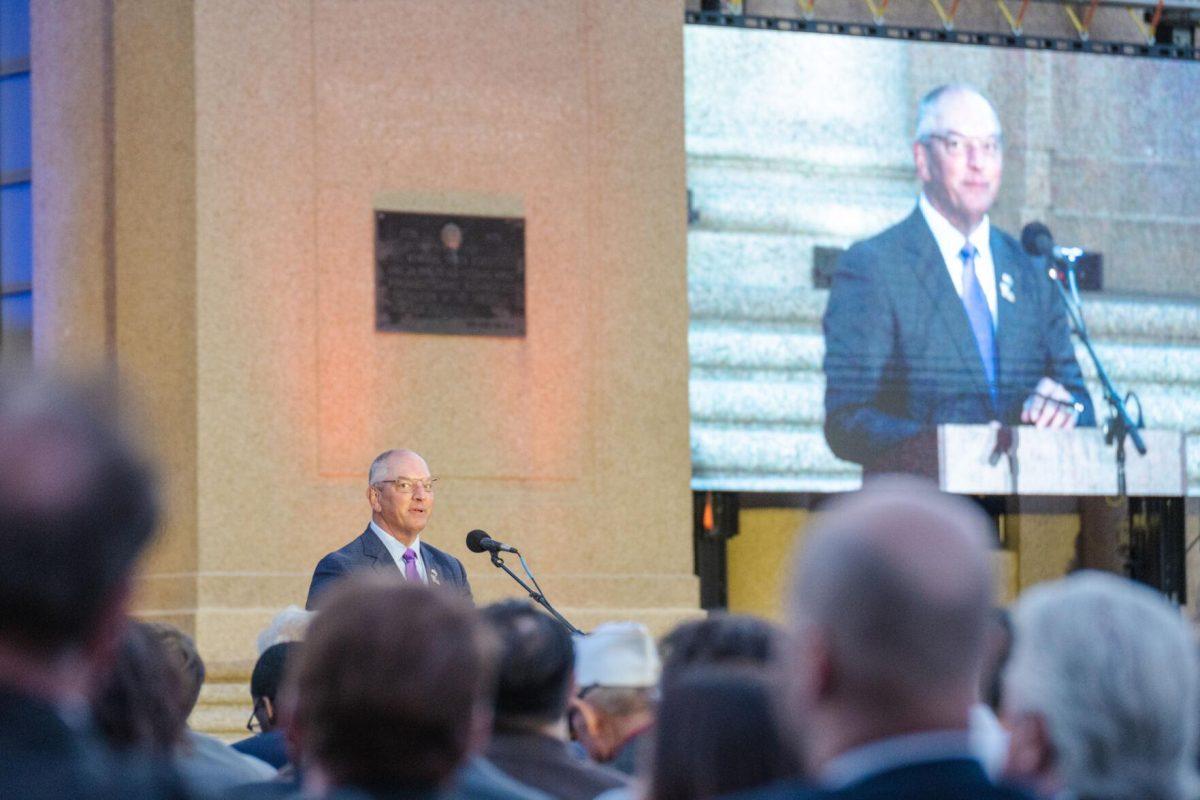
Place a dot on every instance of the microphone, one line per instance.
(478, 542)
(1037, 240)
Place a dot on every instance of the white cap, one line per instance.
(617, 654)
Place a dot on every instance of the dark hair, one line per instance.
(717, 733)
(1000, 640)
(77, 506)
(267, 676)
(185, 659)
(537, 659)
(137, 705)
(719, 638)
(389, 683)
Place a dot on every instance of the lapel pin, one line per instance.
(433, 577)
(1006, 288)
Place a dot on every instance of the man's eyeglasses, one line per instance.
(956, 145)
(253, 725)
(409, 485)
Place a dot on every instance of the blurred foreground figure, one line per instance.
(719, 639)
(77, 507)
(617, 670)
(136, 707)
(268, 743)
(392, 691)
(1101, 692)
(718, 732)
(206, 763)
(529, 740)
(889, 605)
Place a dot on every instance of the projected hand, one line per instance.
(1051, 406)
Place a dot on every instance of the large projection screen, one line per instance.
(800, 145)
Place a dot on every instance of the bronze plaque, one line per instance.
(449, 273)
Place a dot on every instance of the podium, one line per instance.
(1140, 535)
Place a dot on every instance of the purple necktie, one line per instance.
(980, 316)
(410, 566)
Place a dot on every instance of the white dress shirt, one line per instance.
(397, 550)
(950, 242)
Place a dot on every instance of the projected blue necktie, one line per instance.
(980, 316)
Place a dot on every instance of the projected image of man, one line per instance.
(942, 318)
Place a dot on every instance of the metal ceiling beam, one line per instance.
(1019, 39)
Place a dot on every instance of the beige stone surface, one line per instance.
(571, 442)
(154, 270)
(72, 197)
(216, 203)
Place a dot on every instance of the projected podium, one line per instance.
(1141, 535)
(984, 459)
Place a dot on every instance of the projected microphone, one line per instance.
(1037, 240)
(479, 542)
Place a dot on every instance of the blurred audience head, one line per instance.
(266, 681)
(617, 669)
(888, 609)
(719, 638)
(185, 659)
(77, 506)
(137, 705)
(535, 666)
(393, 688)
(286, 626)
(717, 733)
(1101, 692)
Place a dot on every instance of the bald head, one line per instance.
(897, 580)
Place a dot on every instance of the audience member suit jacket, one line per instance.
(547, 764)
(42, 757)
(367, 552)
(950, 779)
(900, 355)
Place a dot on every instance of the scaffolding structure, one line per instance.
(1130, 28)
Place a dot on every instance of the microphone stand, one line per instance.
(1120, 424)
(534, 594)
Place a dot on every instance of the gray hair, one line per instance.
(930, 108)
(379, 467)
(622, 701)
(1112, 669)
(288, 625)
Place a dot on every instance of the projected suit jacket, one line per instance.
(900, 356)
(367, 552)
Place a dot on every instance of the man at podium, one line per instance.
(942, 318)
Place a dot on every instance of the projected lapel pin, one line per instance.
(1006, 288)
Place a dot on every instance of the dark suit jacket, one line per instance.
(479, 779)
(546, 764)
(476, 780)
(268, 746)
(42, 757)
(367, 552)
(900, 356)
(952, 779)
